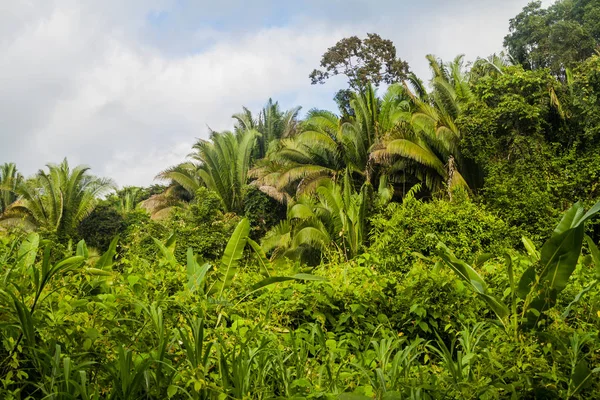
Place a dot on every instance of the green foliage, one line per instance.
(416, 226)
(531, 157)
(10, 179)
(356, 301)
(101, 226)
(131, 327)
(262, 211)
(57, 200)
(201, 225)
(371, 60)
(336, 217)
(556, 37)
(544, 279)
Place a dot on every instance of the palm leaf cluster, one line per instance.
(10, 179)
(56, 200)
(331, 222)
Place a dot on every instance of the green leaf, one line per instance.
(233, 254)
(526, 282)
(262, 257)
(106, 261)
(28, 251)
(97, 272)
(559, 257)
(276, 279)
(530, 247)
(195, 273)
(462, 269)
(171, 391)
(470, 276)
(581, 377)
(82, 249)
(595, 254)
(167, 252)
(591, 212)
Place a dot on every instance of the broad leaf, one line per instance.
(581, 377)
(277, 279)
(167, 253)
(559, 257)
(595, 254)
(262, 257)
(526, 282)
(195, 273)
(28, 251)
(470, 276)
(82, 249)
(530, 247)
(106, 261)
(233, 254)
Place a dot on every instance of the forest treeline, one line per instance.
(433, 237)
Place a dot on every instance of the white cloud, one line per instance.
(78, 79)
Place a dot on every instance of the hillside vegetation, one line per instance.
(430, 239)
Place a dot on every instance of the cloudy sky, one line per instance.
(127, 86)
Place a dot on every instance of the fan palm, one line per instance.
(58, 199)
(10, 179)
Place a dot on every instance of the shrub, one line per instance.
(415, 226)
(101, 226)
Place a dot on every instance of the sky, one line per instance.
(126, 87)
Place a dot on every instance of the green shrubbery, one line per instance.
(416, 227)
(153, 327)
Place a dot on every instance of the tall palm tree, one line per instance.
(427, 146)
(10, 179)
(58, 199)
(327, 146)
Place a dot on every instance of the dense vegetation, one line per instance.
(427, 241)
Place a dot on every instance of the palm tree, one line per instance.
(186, 175)
(160, 205)
(427, 145)
(328, 146)
(272, 125)
(222, 165)
(493, 65)
(335, 218)
(10, 179)
(57, 200)
(128, 199)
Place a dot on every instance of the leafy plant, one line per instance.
(541, 283)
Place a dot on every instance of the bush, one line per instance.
(101, 226)
(466, 228)
(201, 225)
